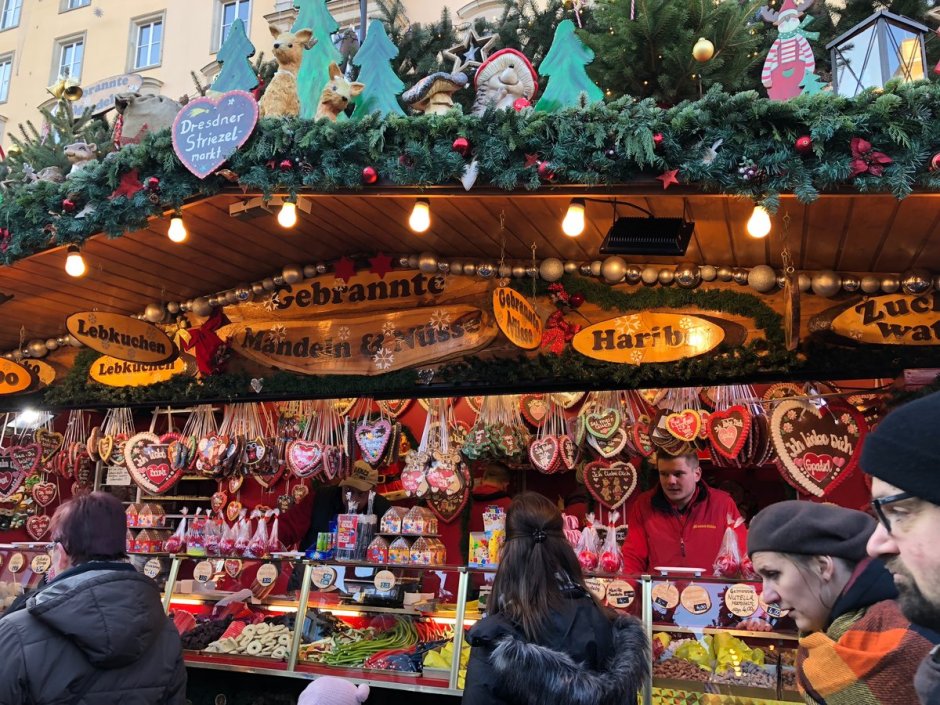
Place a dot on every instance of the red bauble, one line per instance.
(804, 144)
(153, 184)
(546, 171)
(369, 175)
(520, 104)
(68, 205)
(575, 300)
(657, 139)
(461, 145)
(286, 165)
(935, 162)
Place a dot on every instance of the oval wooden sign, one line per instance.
(517, 318)
(122, 373)
(893, 319)
(14, 377)
(43, 372)
(121, 336)
(363, 345)
(646, 337)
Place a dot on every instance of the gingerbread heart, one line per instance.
(728, 430)
(10, 477)
(475, 403)
(609, 447)
(372, 440)
(611, 484)
(576, 429)
(117, 448)
(640, 436)
(254, 451)
(604, 423)
(343, 405)
(544, 454)
(26, 458)
(684, 425)
(299, 492)
(304, 458)
(448, 507)
(234, 483)
(105, 447)
(534, 408)
(267, 481)
(233, 567)
(567, 452)
(394, 407)
(50, 442)
(149, 465)
(414, 476)
(567, 400)
(37, 526)
(218, 500)
(332, 461)
(44, 493)
(233, 510)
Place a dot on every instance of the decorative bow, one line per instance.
(211, 351)
(558, 332)
(867, 161)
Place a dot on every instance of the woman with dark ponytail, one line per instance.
(545, 640)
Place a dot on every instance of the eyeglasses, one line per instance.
(879, 504)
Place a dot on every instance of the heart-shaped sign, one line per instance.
(567, 452)
(728, 430)
(207, 131)
(148, 463)
(534, 407)
(218, 500)
(816, 448)
(232, 511)
(372, 439)
(234, 483)
(610, 483)
(304, 457)
(609, 447)
(44, 492)
(684, 425)
(233, 566)
(10, 477)
(332, 461)
(26, 458)
(603, 424)
(395, 407)
(49, 441)
(37, 526)
(544, 454)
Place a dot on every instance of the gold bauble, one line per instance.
(703, 50)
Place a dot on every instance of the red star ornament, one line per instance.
(128, 186)
(668, 178)
(344, 268)
(381, 265)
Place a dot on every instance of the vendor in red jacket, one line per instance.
(679, 524)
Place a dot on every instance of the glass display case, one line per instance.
(22, 567)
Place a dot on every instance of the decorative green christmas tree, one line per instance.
(314, 70)
(237, 73)
(564, 65)
(375, 70)
(812, 84)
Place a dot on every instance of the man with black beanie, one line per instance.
(903, 456)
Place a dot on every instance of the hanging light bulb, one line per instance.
(74, 262)
(287, 216)
(573, 223)
(177, 231)
(420, 219)
(758, 225)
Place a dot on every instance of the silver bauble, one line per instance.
(443, 267)
(487, 270)
(173, 307)
(52, 344)
(202, 307)
(666, 276)
(739, 275)
(613, 269)
(37, 348)
(257, 289)
(292, 273)
(649, 275)
(213, 300)
(724, 273)
(826, 283)
(571, 267)
(762, 278)
(404, 261)
(804, 282)
(551, 269)
(781, 281)
(709, 272)
(268, 284)
(7, 356)
(413, 261)
(427, 262)
(871, 284)
(242, 293)
(322, 268)
(279, 280)
(470, 268)
(63, 340)
(505, 271)
(154, 313)
(688, 275)
(596, 268)
(585, 269)
(456, 267)
(890, 283)
(310, 271)
(73, 341)
(18, 355)
(915, 282)
(531, 272)
(851, 283)
(518, 271)
(632, 275)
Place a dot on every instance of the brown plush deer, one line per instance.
(336, 94)
(280, 98)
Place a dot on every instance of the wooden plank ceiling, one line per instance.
(853, 233)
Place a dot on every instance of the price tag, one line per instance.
(620, 594)
(153, 568)
(322, 577)
(40, 563)
(267, 574)
(741, 600)
(665, 596)
(596, 587)
(384, 580)
(117, 475)
(772, 611)
(17, 561)
(696, 599)
(203, 572)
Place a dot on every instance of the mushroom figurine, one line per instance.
(505, 80)
(433, 95)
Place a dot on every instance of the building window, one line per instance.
(148, 43)
(6, 70)
(231, 11)
(75, 4)
(70, 54)
(11, 14)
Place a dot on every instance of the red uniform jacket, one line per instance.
(659, 535)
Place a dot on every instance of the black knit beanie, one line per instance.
(810, 529)
(904, 450)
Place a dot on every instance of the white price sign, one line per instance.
(41, 563)
(152, 568)
(117, 475)
(384, 580)
(323, 577)
(267, 574)
(17, 561)
(203, 572)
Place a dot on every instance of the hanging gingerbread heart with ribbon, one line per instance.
(728, 430)
(610, 483)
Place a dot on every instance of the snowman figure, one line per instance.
(790, 58)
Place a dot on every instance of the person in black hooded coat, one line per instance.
(96, 634)
(546, 640)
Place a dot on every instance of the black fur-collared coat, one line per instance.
(584, 658)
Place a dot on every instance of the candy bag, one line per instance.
(589, 545)
(242, 534)
(259, 542)
(227, 541)
(177, 541)
(728, 561)
(213, 537)
(274, 539)
(610, 559)
(196, 535)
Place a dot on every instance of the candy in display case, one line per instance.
(22, 569)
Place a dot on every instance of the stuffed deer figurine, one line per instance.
(337, 94)
(281, 99)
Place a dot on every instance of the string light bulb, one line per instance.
(420, 218)
(74, 262)
(177, 231)
(287, 216)
(573, 223)
(758, 225)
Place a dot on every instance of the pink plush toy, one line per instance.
(329, 690)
